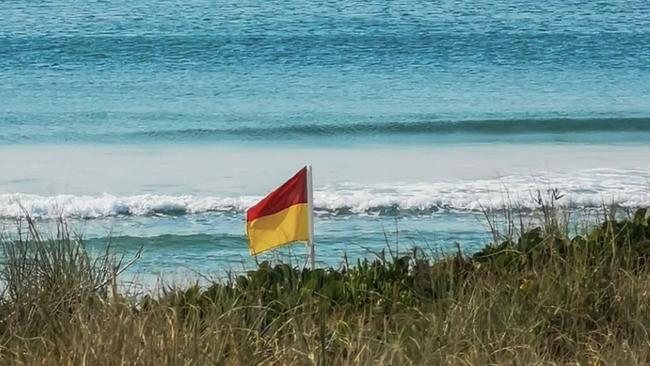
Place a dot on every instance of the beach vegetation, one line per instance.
(540, 294)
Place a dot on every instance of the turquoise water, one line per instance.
(162, 121)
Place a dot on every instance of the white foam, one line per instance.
(628, 188)
(17, 204)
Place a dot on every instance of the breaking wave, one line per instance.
(587, 189)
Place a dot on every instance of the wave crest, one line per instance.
(475, 127)
(470, 130)
(587, 189)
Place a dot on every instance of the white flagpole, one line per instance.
(310, 208)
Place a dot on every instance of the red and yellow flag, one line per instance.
(281, 217)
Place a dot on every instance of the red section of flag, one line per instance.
(292, 192)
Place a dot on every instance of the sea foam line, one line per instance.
(586, 189)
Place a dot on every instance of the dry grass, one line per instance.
(535, 297)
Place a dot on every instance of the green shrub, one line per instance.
(539, 297)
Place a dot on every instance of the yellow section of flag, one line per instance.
(286, 226)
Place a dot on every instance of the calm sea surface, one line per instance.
(159, 122)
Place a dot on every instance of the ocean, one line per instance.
(157, 123)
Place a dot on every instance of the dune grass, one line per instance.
(537, 295)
